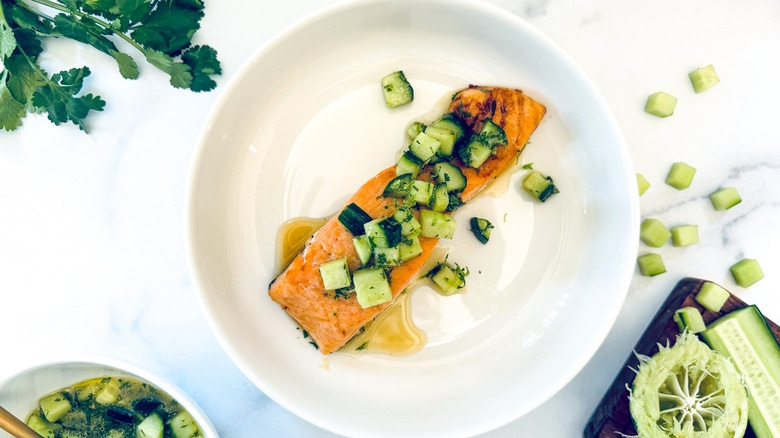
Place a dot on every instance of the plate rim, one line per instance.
(497, 13)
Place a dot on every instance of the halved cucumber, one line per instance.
(745, 338)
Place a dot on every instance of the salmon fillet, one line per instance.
(299, 290)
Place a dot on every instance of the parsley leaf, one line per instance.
(11, 110)
(203, 63)
(58, 98)
(7, 40)
(170, 26)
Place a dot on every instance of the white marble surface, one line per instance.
(92, 246)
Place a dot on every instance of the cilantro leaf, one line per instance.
(23, 78)
(26, 19)
(7, 40)
(179, 72)
(127, 66)
(170, 26)
(58, 98)
(84, 32)
(11, 110)
(203, 63)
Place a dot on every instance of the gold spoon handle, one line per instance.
(15, 426)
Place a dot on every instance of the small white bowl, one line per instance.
(19, 394)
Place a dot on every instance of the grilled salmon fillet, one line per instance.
(299, 290)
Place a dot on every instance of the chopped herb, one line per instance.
(528, 166)
(305, 334)
(315, 345)
(505, 217)
(362, 346)
(455, 203)
(343, 292)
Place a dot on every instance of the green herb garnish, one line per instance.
(161, 30)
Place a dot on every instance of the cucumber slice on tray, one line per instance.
(744, 337)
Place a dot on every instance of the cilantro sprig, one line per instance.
(160, 31)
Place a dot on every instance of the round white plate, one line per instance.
(304, 124)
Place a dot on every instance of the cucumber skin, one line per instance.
(765, 337)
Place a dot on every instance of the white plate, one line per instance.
(304, 124)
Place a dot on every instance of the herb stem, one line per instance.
(81, 15)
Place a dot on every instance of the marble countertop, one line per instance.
(92, 226)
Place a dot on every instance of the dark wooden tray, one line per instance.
(611, 417)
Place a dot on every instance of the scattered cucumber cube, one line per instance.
(689, 318)
(414, 129)
(540, 187)
(712, 296)
(651, 264)
(398, 91)
(680, 176)
(182, 425)
(441, 198)
(409, 249)
(410, 226)
(435, 224)
(703, 78)
(54, 406)
(746, 272)
(660, 104)
(642, 184)
(408, 163)
(43, 427)
(725, 198)
(448, 279)
(654, 233)
(151, 427)
(387, 256)
(371, 287)
(421, 192)
(685, 235)
(424, 146)
(364, 248)
(335, 274)
(446, 139)
(109, 393)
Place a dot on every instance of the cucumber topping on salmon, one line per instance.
(388, 229)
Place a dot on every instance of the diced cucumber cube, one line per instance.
(410, 226)
(54, 406)
(441, 198)
(642, 184)
(424, 146)
(448, 279)
(712, 296)
(421, 192)
(109, 393)
(539, 186)
(43, 427)
(364, 248)
(492, 135)
(680, 176)
(410, 249)
(183, 425)
(151, 427)
(335, 274)
(746, 272)
(387, 256)
(414, 129)
(446, 140)
(392, 230)
(371, 287)
(398, 91)
(450, 122)
(654, 233)
(435, 224)
(475, 152)
(725, 198)
(376, 233)
(651, 264)
(685, 235)
(703, 78)
(451, 175)
(399, 186)
(660, 104)
(689, 318)
(408, 163)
